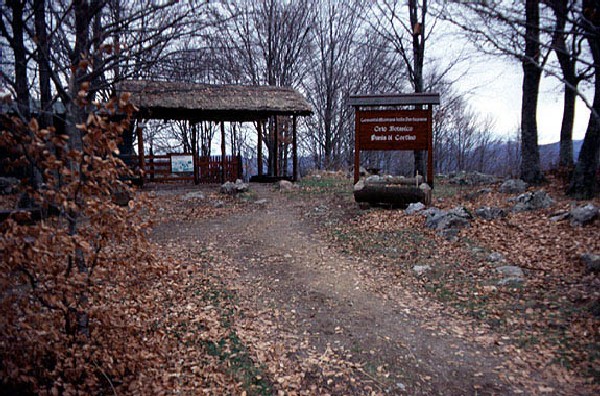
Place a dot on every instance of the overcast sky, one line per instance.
(493, 85)
(496, 87)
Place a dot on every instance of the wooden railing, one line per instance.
(159, 168)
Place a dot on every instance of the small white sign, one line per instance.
(182, 163)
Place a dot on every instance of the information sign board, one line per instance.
(393, 129)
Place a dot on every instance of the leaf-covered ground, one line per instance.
(306, 294)
(302, 292)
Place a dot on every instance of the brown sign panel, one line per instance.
(393, 129)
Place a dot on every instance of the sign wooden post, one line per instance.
(405, 128)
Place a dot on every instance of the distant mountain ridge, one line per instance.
(549, 153)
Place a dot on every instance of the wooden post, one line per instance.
(195, 153)
(222, 152)
(430, 180)
(294, 150)
(140, 137)
(276, 149)
(259, 153)
(356, 146)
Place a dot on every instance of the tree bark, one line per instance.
(20, 54)
(567, 65)
(418, 47)
(530, 162)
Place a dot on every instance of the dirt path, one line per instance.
(402, 342)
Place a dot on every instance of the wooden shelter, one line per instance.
(165, 100)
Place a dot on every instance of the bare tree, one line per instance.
(584, 183)
(264, 42)
(532, 74)
(408, 33)
(333, 40)
(13, 19)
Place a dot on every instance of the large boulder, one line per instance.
(531, 201)
(513, 186)
(490, 213)
(453, 219)
(583, 215)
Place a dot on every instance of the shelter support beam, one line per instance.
(195, 153)
(222, 152)
(294, 149)
(259, 154)
(140, 138)
(356, 149)
(276, 148)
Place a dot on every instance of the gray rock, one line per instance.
(511, 275)
(414, 208)
(421, 269)
(230, 188)
(531, 201)
(592, 262)
(433, 216)
(509, 281)
(431, 211)
(451, 234)
(218, 204)
(120, 197)
(495, 257)
(373, 179)
(8, 185)
(472, 178)
(194, 195)
(461, 211)
(453, 219)
(560, 216)
(490, 213)
(477, 249)
(476, 194)
(513, 186)
(261, 202)
(510, 271)
(359, 185)
(285, 185)
(583, 215)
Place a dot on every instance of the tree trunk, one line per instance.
(20, 55)
(530, 162)
(566, 129)
(418, 47)
(400, 196)
(583, 183)
(567, 65)
(43, 53)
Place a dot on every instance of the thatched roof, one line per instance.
(174, 100)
